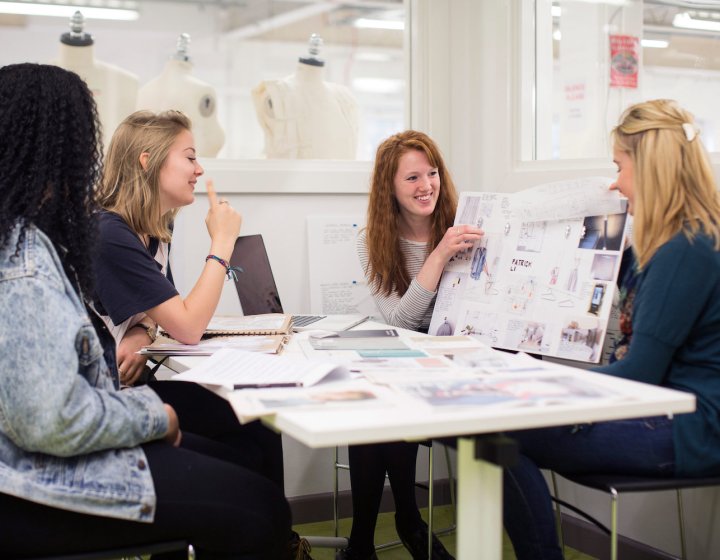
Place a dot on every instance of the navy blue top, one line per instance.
(676, 343)
(128, 279)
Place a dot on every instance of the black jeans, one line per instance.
(225, 510)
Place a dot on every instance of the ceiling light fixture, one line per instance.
(654, 43)
(686, 21)
(367, 23)
(66, 11)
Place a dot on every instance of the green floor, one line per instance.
(386, 532)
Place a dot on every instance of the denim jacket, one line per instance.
(68, 437)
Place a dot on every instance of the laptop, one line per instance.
(258, 292)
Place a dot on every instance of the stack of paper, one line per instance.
(238, 369)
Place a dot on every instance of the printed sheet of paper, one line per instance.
(337, 281)
(235, 369)
(543, 287)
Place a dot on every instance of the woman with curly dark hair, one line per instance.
(84, 465)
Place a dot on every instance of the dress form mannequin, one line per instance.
(115, 90)
(175, 88)
(304, 116)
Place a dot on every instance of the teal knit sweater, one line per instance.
(676, 343)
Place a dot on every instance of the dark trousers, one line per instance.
(225, 510)
(368, 465)
(204, 413)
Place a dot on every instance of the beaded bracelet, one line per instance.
(231, 271)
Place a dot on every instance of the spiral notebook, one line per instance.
(268, 323)
(259, 295)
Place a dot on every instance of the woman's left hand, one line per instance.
(130, 364)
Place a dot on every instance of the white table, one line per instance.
(479, 533)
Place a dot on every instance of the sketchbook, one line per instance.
(542, 278)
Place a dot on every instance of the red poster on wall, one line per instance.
(624, 61)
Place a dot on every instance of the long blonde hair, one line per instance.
(386, 264)
(127, 188)
(674, 187)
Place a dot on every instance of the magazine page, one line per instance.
(523, 391)
(446, 345)
(544, 287)
(354, 397)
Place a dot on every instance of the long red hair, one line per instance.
(386, 266)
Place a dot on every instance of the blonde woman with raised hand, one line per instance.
(151, 171)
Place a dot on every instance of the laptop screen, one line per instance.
(256, 285)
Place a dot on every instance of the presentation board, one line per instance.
(542, 278)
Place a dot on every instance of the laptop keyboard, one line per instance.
(305, 320)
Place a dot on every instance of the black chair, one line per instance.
(126, 552)
(615, 485)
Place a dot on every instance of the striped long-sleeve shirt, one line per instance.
(414, 309)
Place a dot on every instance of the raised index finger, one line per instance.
(212, 197)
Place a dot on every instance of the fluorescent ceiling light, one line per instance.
(555, 11)
(66, 11)
(684, 20)
(367, 23)
(557, 36)
(654, 43)
(377, 85)
(373, 57)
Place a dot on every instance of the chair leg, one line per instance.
(558, 512)
(336, 466)
(681, 520)
(431, 502)
(613, 524)
(451, 480)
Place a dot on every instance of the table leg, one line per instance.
(479, 532)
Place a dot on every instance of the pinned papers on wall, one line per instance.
(337, 281)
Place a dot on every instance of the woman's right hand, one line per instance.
(173, 435)
(223, 221)
(456, 239)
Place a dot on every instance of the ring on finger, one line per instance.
(223, 201)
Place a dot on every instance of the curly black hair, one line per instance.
(51, 159)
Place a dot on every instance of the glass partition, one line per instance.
(584, 61)
(236, 46)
